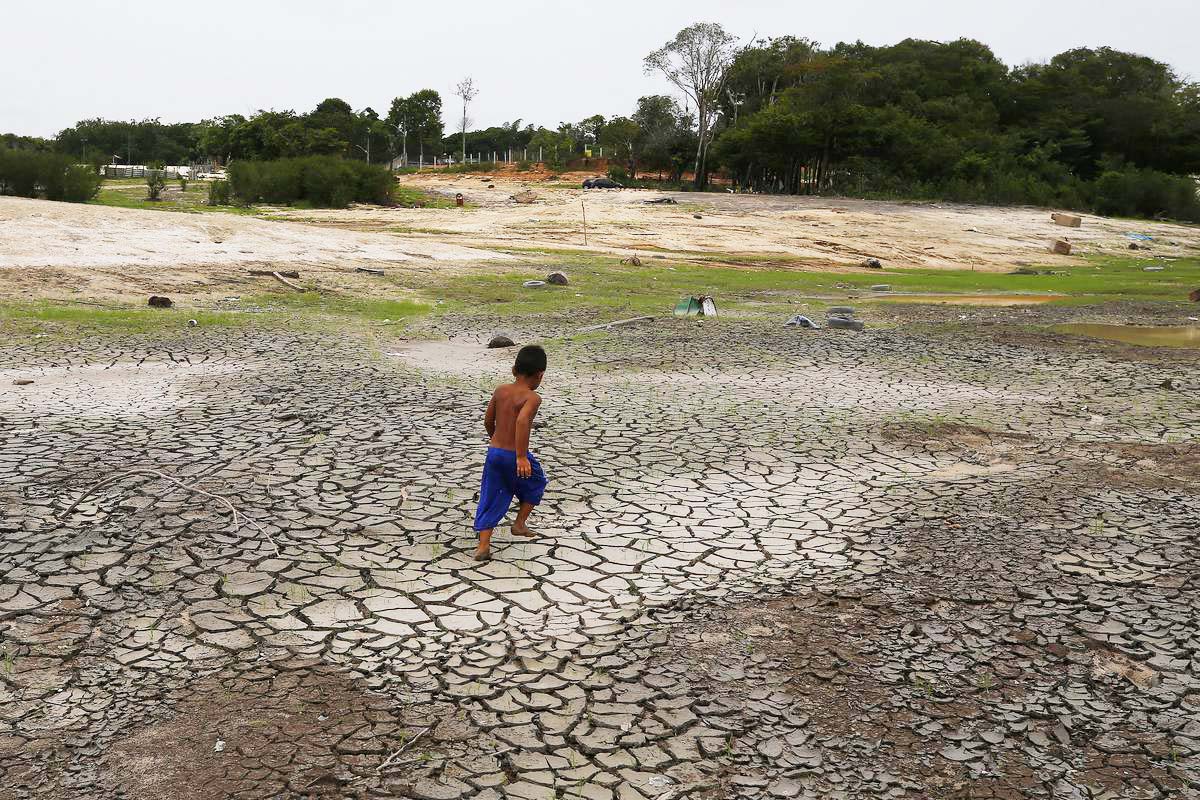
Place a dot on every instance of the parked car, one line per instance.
(601, 183)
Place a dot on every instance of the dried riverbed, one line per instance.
(772, 563)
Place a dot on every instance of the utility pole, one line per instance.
(366, 149)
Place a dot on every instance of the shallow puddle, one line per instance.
(1146, 336)
(971, 299)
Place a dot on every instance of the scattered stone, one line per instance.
(697, 216)
(881, 287)
(158, 301)
(192, 323)
(499, 341)
(1067, 220)
(1171, 384)
(1061, 247)
(873, 263)
(22, 382)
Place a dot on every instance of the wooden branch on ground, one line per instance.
(618, 324)
(369, 270)
(267, 273)
(286, 282)
(237, 517)
(404, 747)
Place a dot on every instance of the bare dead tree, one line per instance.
(697, 62)
(467, 91)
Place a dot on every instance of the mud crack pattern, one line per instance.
(772, 564)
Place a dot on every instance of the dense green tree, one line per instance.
(619, 138)
(417, 122)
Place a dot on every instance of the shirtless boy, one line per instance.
(510, 469)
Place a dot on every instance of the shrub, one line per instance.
(321, 181)
(80, 184)
(50, 175)
(618, 173)
(182, 183)
(375, 184)
(218, 193)
(327, 182)
(1134, 192)
(154, 184)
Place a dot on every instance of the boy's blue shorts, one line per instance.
(500, 484)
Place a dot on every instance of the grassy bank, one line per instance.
(601, 283)
(601, 287)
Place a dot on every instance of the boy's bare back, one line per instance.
(512, 403)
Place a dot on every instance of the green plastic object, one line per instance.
(688, 307)
(702, 306)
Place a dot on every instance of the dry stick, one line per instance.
(584, 207)
(445, 758)
(237, 525)
(266, 273)
(286, 282)
(404, 747)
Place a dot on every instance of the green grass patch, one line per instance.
(307, 309)
(602, 283)
(409, 197)
(1101, 279)
(126, 193)
(316, 305)
(52, 317)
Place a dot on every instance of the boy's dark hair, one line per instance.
(531, 360)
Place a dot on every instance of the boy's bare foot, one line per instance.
(521, 529)
(483, 553)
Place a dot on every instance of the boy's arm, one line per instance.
(489, 417)
(524, 424)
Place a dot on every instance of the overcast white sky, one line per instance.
(541, 61)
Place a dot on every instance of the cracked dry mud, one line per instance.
(772, 564)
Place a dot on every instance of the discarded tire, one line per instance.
(501, 340)
(533, 284)
(873, 263)
(881, 287)
(840, 311)
(557, 278)
(158, 301)
(841, 323)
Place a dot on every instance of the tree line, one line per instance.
(1091, 128)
